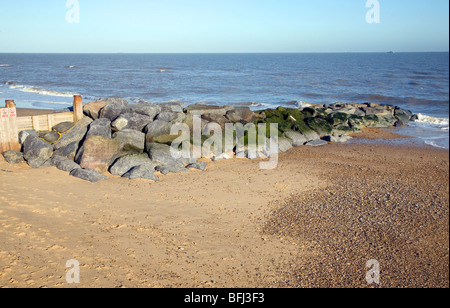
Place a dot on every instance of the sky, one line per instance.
(222, 26)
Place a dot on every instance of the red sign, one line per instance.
(12, 112)
(5, 112)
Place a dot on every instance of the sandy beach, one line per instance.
(313, 222)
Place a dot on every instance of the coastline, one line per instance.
(210, 229)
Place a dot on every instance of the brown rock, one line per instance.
(98, 153)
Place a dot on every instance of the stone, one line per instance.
(134, 121)
(171, 168)
(157, 128)
(319, 125)
(173, 106)
(13, 157)
(199, 165)
(161, 155)
(126, 163)
(63, 127)
(199, 109)
(147, 109)
(69, 151)
(49, 136)
(132, 141)
(167, 116)
(142, 172)
(88, 175)
(284, 144)
(98, 153)
(76, 134)
(297, 138)
(36, 151)
(92, 109)
(64, 163)
(23, 135)
(317, 143)
(335, 137)
(403, 116)
(100, 127)
(114, 108)
(241, 114)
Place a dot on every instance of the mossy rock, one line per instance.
(309, 112)
(338, 118)
(319, 125)
(293, 115)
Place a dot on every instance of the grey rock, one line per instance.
(69, 151)
(64, 163)
(199, 165)
(341, 138)
(100, 127)
(241, 114)
(36, 151)
(126, 163)
(167, 116)
(199, 109)
(297, 138)
(403, 115)
(142, 172)
(175, 168)
(114, 108)
(284, 144)
(13, 157)
(157, 128)
(173, 106)
(134, 121)
(131, 141)
(317, 143)
(49, 136)
(88, 175)
(76, 134)
(147, 109)
(161, 155)
(63, 127)
(23, 135)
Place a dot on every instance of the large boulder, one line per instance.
(64, 163)
(132, 141)
(161, 155)
(23, 135)
(157, 128)
(88, 175)
(36, 151)
(297, 138)
(199, 109)
(98, 153)
(100, 127)
(241, 114)
(126, 163)
(92, 109)
(147, 109)
(13, 157)
(134, 121)
(75, 135)
(167, 116)
(69, 151)
(63, 127)
(114, 108)
(49, 136)
(142, 172)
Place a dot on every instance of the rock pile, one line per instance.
(133, 140)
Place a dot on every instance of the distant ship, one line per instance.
(390, 52)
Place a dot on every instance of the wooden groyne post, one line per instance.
(9, 135)
(11, 125)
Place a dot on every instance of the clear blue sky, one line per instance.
(153, 26)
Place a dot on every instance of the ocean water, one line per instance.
(415, 81)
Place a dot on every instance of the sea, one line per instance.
(415, 81)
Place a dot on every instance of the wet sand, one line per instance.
(313, 222)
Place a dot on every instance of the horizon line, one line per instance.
(277, 52)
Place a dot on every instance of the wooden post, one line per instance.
(9, 134)
(77, 108)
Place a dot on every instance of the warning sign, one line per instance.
(5, 112)
(12, 112)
